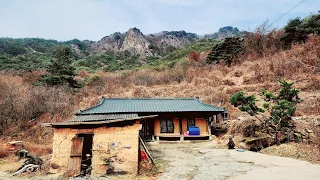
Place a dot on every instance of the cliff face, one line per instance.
(135, 42)
(158, 44)
(108, 43)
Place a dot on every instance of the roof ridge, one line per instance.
(101, 102)
(210, 105)
(151, 98)
(213, 106)
(130, 105)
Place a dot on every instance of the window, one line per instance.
(190, 122)
(166, 126)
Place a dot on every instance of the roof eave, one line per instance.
(95, 122)
(222, 110)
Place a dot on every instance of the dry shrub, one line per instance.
(223, 69)
(293, 150)
(232, 90)
(34, 76)
(83, 73)
(171, 75)
(3, 151)
(238, 73)
(194, 56)
(228, 82)
(141, 92)
(307, 53)
(200, 75)
(37, 149)
(308, 149)
(309, 105)
(145, 77)
(243, 126)
(106, 82)
(271, 64)
(149, 77)
(192, 73)
(313, 84)
(21, 102)
(262, 42)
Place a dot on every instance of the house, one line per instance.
(174, 115)
(105, 137)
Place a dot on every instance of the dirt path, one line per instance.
(201, 161)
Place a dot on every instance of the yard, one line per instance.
(200, 160)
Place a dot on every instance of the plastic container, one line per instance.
(194, 130)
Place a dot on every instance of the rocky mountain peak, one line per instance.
(135, 42)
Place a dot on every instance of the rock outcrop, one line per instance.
(158, 44)
(135, 42)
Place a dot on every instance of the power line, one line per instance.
(286, 13)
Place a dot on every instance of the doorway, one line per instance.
(86, 158)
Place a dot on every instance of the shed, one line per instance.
(99, 142)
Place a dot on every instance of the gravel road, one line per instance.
(201, 161)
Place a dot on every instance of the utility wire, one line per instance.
(286, 13)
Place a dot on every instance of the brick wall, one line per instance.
(118, 144)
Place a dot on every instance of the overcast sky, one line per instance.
(94, 19)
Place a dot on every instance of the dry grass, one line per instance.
(38, 149)
(20, 101)
(9, 164)
(241, 125)
(302, 151)
(309, 149)
(3, 151)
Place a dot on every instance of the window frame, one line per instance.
(190, 124)
(167, 129)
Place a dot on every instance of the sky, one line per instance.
(93, 19)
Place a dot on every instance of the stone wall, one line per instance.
(117, 145)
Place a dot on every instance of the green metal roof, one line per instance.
(102, 117)
(68, 124)
(135, 105)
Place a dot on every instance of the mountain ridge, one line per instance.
(133, 41)
(155, 44)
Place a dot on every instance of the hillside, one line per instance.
(117, 51)
(291, 53)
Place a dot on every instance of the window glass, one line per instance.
(163, 126)
(170, 126)
(166, 126)
(191, 122)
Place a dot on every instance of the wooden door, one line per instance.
(75, 156)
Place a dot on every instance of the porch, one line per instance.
(171, 137)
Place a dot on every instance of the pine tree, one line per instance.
(61, 71)
(280, 108)
(227, 51)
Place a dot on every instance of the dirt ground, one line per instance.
(202, 161)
